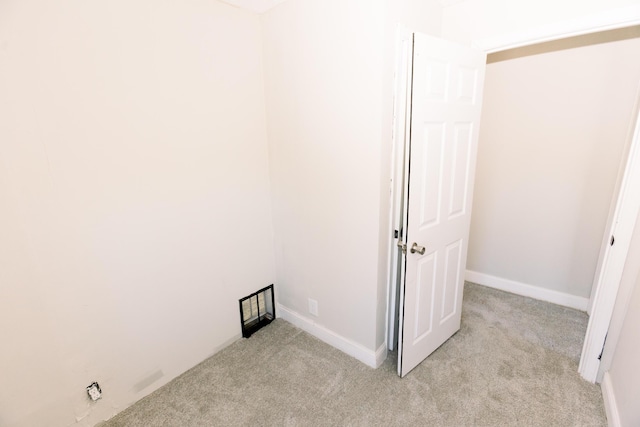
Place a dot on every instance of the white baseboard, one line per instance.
(381, 355)
(525, 290)
(369, 357)
(610, 406)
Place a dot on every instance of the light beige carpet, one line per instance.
(513, 363)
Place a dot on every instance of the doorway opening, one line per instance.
(595, 237)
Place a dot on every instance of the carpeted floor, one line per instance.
(513, 363)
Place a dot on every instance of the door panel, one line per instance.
(424, 296)
(445, 114)
(460, 170)
(431, 175)
(452, 278)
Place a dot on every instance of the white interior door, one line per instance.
(446, 100)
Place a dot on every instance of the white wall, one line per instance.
(135, 188)
(624, 375)
(329, 83)
(472, 20)
(134, 193)
(553, 129)
(323, 74)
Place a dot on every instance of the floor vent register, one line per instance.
(257, 310)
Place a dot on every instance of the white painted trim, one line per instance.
(626, 286)
(610, 405)
(404, 202)
(601, 21)
(369, 357)
(404, 38)
(381, 355)
(609, 277)
(525, 290)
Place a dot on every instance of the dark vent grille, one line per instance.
(257, 310)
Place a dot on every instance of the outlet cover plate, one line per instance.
(313, 307)
(94, 391)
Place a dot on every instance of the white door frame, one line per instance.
(606, 284)
(603, 299)
(401, 124)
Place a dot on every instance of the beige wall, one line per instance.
(551, 139)
(624, 375)
(135, 197)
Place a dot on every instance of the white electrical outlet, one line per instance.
(94, 391)
(313, 307)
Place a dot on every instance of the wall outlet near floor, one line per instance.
(313, 307)
(94, 391)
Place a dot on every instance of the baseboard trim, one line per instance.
(369, 357)
(381, 354)
(610, 405)
(523, 289)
